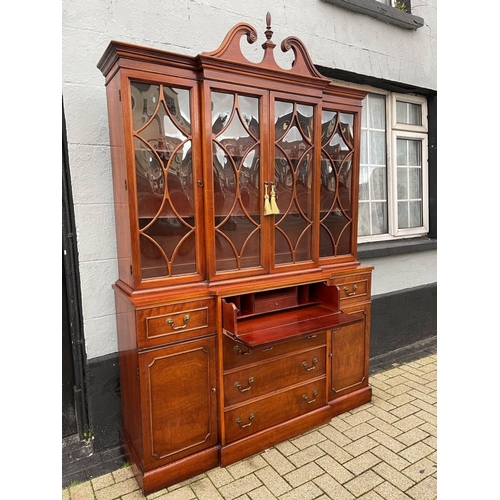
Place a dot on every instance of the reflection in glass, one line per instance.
(409, 183)
(164, 177)
(336, 183)
(293, 170)
(236, 164)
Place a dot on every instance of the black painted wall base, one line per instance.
(403, 328)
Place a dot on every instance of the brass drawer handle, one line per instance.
(305, 398)
(304, 364)
(348, 293)
(268, 349)
(250, 382)
(237, 348)
(170, 321)
(250, 417)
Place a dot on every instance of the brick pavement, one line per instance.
(385, 449)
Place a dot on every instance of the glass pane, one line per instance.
(164, 176)
(236, 163)
(402, 180)
(377, 148)
(364, 190)
(377, 111)
(364, 148)
(402, 152)
(414, 114)
(414, 182)
(401, 112)
(415, 153)
(415, 213)
(347, 127)
(379, 218)
(364, 219)
(292, 182)
(378, 183)
(403, 214)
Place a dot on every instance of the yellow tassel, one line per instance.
(274, 207)
(267, 206)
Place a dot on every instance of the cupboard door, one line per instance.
(350, 355)
(336, 183)
(236, 151)
(163, 138)
(291, 186)
(179, 404)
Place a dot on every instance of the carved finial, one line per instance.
(268, 32)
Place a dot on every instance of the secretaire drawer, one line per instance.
(265, 377)
(259, 414)
(238, 354)
(175, 322)
(353, 288)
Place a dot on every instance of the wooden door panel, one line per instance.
(178, 406)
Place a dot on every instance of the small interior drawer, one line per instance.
(353, 288)
(176, 322)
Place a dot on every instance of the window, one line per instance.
(393, 193)
(403, 5)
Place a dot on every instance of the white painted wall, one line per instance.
(335, 38)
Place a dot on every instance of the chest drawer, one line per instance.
(237, 354)
(273, 375)
(175, 322)
(353, 288)
(262, 413)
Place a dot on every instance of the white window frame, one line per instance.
(394, 131)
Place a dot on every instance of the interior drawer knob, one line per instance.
(348, 293)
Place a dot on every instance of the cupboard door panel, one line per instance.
(178, 406)
(349, 348)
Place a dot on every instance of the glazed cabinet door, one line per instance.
(166, 174)
(178, 398)
(236, 157)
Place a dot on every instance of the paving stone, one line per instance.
(387, 441)
(371, 495)
(336, 423)
(361, 446)
(65, 494)
(161, 493)
(82, 491)
(401, 400)
(424, 490)
(307, 491)
(398, 380)
(408, 423)
(117, 490)
(389, 492)
(277, 461)
(336, 436)
(358, 418)
(204, 488)
(335, 451)
(363, 483)
(103, 481)
(243, 485)
(333, 488)
(273, 481)
(308, 440)
(122, 474)
(362, 463)
(393, 459)
(306, 456)
(336, 470)
(261, 493)
(359, 431)
(287, 448)
(382, 414)
(424, 389)
(415, 452)
(412, 436)
(219, 476)
(424, 405)
(428, 417)
(303, 474)
(393, 476)
(135, 495)
(247, 466)
(387, 428)
(406, 410)
(429, 428)
(420, 470)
